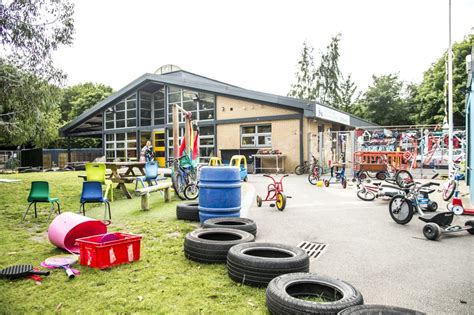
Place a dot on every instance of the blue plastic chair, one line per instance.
(92, 193)
(151, 175)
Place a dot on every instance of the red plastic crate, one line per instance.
(104, 255)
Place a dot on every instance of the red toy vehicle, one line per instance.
(457, 207)
(274, 193)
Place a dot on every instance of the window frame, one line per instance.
(255, 136)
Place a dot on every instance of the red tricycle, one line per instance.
(274, 193)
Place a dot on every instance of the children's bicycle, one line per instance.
(315, 173)
(274, 193)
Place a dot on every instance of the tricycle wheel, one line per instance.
(457, 210)
(381, 175)
(326, 183)
(471, 224)
(259, 201)
(432, 206)
(344, 183)
(401, 209)
(365, 194)
(431, 231)
(246, 178)
(362, 175)
(281, 201)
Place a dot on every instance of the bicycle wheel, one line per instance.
(191, 192)
(402, 178)
(179, 185)
(401, 209)
(365, 194)
(449, 189)
(299, 170)
(313, 176)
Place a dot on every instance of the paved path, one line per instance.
(389, 263)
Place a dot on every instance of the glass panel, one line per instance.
(109, 125)
(206, 114)
(190, 106)
(132, 97)
(206, 105)
(265, 140)
(207, 151)
(121, 154)
(172, 89)
(248, 141)
(145, 114)
(160, 121)
(120, 106)
(120, 145)
(110, 154)
(109, 145)
(206, 97)
(132, 153)
(188, 95)
(120, 124)
(206, 141)
(206, 131)
(248, 129)
(131, 122)
(264, 128)
(120, 115)
(131, 105)
(109, 116)
(109, 137)
(131, 136)
(132, 113)
(174, 98)
(120, 136)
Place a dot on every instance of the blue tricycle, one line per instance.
(339, 176)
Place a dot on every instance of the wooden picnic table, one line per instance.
(122, 178)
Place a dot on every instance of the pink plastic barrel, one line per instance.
(68, 226)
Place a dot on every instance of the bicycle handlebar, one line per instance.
(430, 184)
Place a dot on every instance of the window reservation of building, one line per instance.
(123, 114)
(201, 105)
(255, 136)
(121, 145)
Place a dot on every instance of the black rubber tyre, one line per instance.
(299, 170)
(362, 175)
(432, 206)
(242, 224)
(257, 264)
(431, 231)
(188, 211)
(365, 194)
(449, 191)
(401, 209)
(191, 192)
(246, 179)
(381, 175)
(402, 178)
(344, 183)
(211, 245)
(470, 223)
(284, 294)
(326, 183)
(259, 201)
(378, 309)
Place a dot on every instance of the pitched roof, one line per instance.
(193, 81)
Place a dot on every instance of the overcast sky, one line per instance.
(256, 44)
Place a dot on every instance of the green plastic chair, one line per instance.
(95, 172)
(39, 192)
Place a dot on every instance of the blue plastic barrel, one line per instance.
(219, 192)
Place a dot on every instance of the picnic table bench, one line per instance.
(145, 193)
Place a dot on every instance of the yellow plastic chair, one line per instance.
(95, 172)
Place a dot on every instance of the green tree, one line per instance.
(81, 97)
(328, 75)
(30, 30)
(348, 95)
(304, 87)
(29, 108)
(430, 98)
(384, 102)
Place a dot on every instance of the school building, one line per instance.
(232, 120)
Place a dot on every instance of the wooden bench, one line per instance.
(145, 193)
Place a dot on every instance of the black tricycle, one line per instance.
(438, 223)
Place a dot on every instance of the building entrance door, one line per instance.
(159, 147)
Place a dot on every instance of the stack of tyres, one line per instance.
(219, 192)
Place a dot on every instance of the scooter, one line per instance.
(438, 223)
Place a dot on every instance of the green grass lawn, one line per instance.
(163, 281)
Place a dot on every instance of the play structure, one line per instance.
(240, 161)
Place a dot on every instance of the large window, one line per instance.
(145, 109)
(256, 136)
(121, 146)
(201, 105)
(123, 114)
(159, 107)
